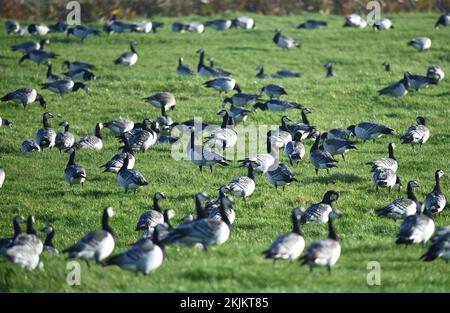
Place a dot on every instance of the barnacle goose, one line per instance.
(279, 174)
(59, 27)
(38, 56)
(285, 41)
(244, 22)
(64, 86)
(130, 179)
(240, 99)
(81, 74)
(223, 84)
(151, 218)
(386, 178)
(128, 58)
(354, 20)
(220, 24)
(29, 46)
(162, 98)
(305, 127)
(96, 245)
(288, 246)
(416, 134)
(401, 208)
(49, 246)
(382, 24)
(329, 68)
(77, 65)
(276, 106)
(337, 146)
(265, 160)
(183, 69)
(38, 29)
(6, 243)
(29, 145)
(279, 138)
(273, 91)
(12, 26)
(25, 96)
(164, 120)
(244, 186)
(119, 126)
(435, 201)
(50, 76)
(416, 228)
(29, 240)
(64, 140)
(322, 211)
(91, 142)
(286, 74)
(389, 163)
(312, 24)
(440, 248)
(320, 158)
(112, 25)
(295, 150)
(82, 32)
(444, 20)
(238, 114)
(45, 137)
(420, 43)
(367, 130)
(74, 173)
(337, 133)
(435, 74)
(204, 70)
(212, 207)
(195, 27)
(261, 74)
(225, 136)
(116, 162)
(323, 252)
(398, 89)
(417, 82)
(141, 139)
(5, 123)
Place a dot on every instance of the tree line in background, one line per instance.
(95, 9)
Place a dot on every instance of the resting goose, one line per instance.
(244, 186)
(382, 24)
(29, 46)
(82, 32)
(46, 136)
(91, 142)
(241, 99)
(29, 145)
(220, 24)
(74, 173)
(223, 84)
(204, 70)
(141, 139)
(416, 134)
(273, 91)
(367, 130)
(50, 76)
(416, 228)
(398, 89)
(96, 245)
(285, 41)
(416, 82)
(288, 246)
(401, 208)
(76, 65)
(64, 140)
(81, 74)
(295, 150)
(184, 69)
(244, 22)
(420, 43)
(12, 26)
(38, 56)
(385, 178)
(329, 68)
(386, 163)
(162, 98)
(225, 137)
(64, 86)
(279, 174)
(116, 162)
(440, 248)
(312, 24)
(337, 146)
(130, 179)
(151, 218)
(320, 158)
(322, 211)
(128, 58)
(6, 243)
(435, 201)
(49, 246)
(354, 20)
(444, 20)
(25, 96)
(119, 126)
(435, 74)
(5, 123)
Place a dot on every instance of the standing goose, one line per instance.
(28, 46)
(91, 142)
(295, 150)
(184, 69)
(151, 218)
(46, 136)
(321, 212)
(420, 43)
(439, 249)
(398, 89)
(130, 179)
(225, 136)
(220, 24)
(286, 74)
(77, 65)
(288, 246)
(82, 32)
(38, 56)
(337, 146)
(25, 96)
(385, 178)
(416, 228)
(367, 131)
(6, 243)
(204, 70)
(243, 186)
(162, 98)
(64, 86)
(320, 158)
(323, 252)
(49, 246)
(444, 20)
(435, 201)
(74, 173)
(223, 84)
(96, 245)
(417, 82)
(240, 99)
(128, 58)
(81, 74)
(273, 91)
(401, 208)
(312, 24)
(285, 41)
(416, 134)
(329, 68)
(116, 162)
(305, 127)
(119, 126)
(5, 123)
(64, 140)
(50, 76)
(277, 106)
(280, 175)
(141, 139)
(435, 74)
(386, 163)
(29, 145)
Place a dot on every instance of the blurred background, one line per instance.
(95, 9)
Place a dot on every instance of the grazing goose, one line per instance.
(128, 58)
(401, 208)
(130, 179)
(382, 24)
(116, 162)
(38, 29)
(367, 130)
(220, 24)
(435, 74)
(96, 245)
(385, 178)
(261, 74)
(50, 76)
(244, 22)
(337, 146)
(204, 70)
(440, 248)
(49, 246)
(288, 246)
(12, 27)
(322, 211)
(387, 66)
(273, 91)
(82, 32)
(162, 98)
(416, 228)
(295, 150)
(386, 163)
(119, 126)
(320, 158)
(329, 68)
(38, 56)
(238, 114)
(312, 24)
(212, 207)
(29, 46)
(5, 123)
(240, 99)
(6, 243)
(46, 136)
(244, 186)
(64, 86)
(416, 134)
(76, 65)
(323, 252)
(74, 173)
(151, 218)
(29, 145)
(416, 82)
(81, 74)
(444, 20)
(25, 96)
(64, 140)
(29, 240)
(337, 133)
(398, 89)
(279, 174)
(277, 105)
(91, 142)
(184, 69)
(435, 201)
(141, 139)
(354, 20)
(223, 84)
(225, 137)
(285, 41)
(420, 43)
(265, 160)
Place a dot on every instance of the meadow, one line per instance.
(35, 183)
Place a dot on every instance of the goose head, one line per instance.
(439, 173)
(413, 184)
(351, 128)
(63, 123)
(159, 196)
(420, 120)
(330, 197)
(47, 115)
(7, 123)
(80, 85)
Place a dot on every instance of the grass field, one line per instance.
(35, 183)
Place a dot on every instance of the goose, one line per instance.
(49, 246)
(382, 24)
(444, 20)
(329, 68)
(337, 133)
(162, 98)
(416, 228)
(305, 127)
(77, 65)
(368, 130)
(244, 22)
(204, 155)
(401, 208)
(280, 137)
(223, 84)
(23, 256)
(74, 173)
(81, 74)
(25, 96)
(273, 91)
(29, 240)
(225, 136)
(265, 160)
(337, 146)
(45, 137)
(420, 43)
(148, 27)
(178, 27)
(151, 218)
(386, 163)
(204, 70)
(295, 150)
(6, 243)
(5, 123)
(440, 248)
(50, 76)
(38, 56)
(417, 82)
(435, 201)
(320, 158)
(220, 24)
(112, 25)
(64, 86)
(416, 134)
(322, 211)
(387, 66)
(243, 186)
(286, 74)
(64, 140)
(354, 20)
(435, 74)
(312, 24)
(285, 41)
(12, 26)
(58, 27)
(29, 46)
(386, 178)
(211, 204)
(116, 162)
(398, 89)
(195, 27)
(91, 142)
(119, 126)
(128, 58)
(184, 69)
(261, 74)
(212, 207)
(279, 174)
(240, 99)
(29, 146)
(130, 179)
(23, 30)
(288, 246)
(323, 252)
(97, 245)
(141, 139)
(82, 32)
(441, 232)
(38, 29)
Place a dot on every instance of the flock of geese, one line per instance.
(213, 219)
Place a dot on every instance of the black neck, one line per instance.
(296, 226)
(156, 240)
(49, 239)
(251, 172)
(163, 111)
(180, 63)
(98, 132)
(66, 128)
(305, 118)
(49, 70)
(315, 146)
(391, 153)
(30, 227)
(199, 209)
(410, 193)
(71, 158)
(156, 206)
(202, 59)
(17, 230)
(437, 186)
(331, 231)
(167, 219)
(223, 213)
(225, 121)
(124, 164)
(330, 71)
(261, 71)
(133, 49)
(45, 122)
(105, 223)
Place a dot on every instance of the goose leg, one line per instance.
(210, 168)
(329, 268)
(317, 171)
(201, 168)
(343, 157)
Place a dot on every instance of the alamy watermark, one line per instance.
(74, 16)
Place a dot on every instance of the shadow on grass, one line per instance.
(334, 178)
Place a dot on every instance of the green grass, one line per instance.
(35, 183)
